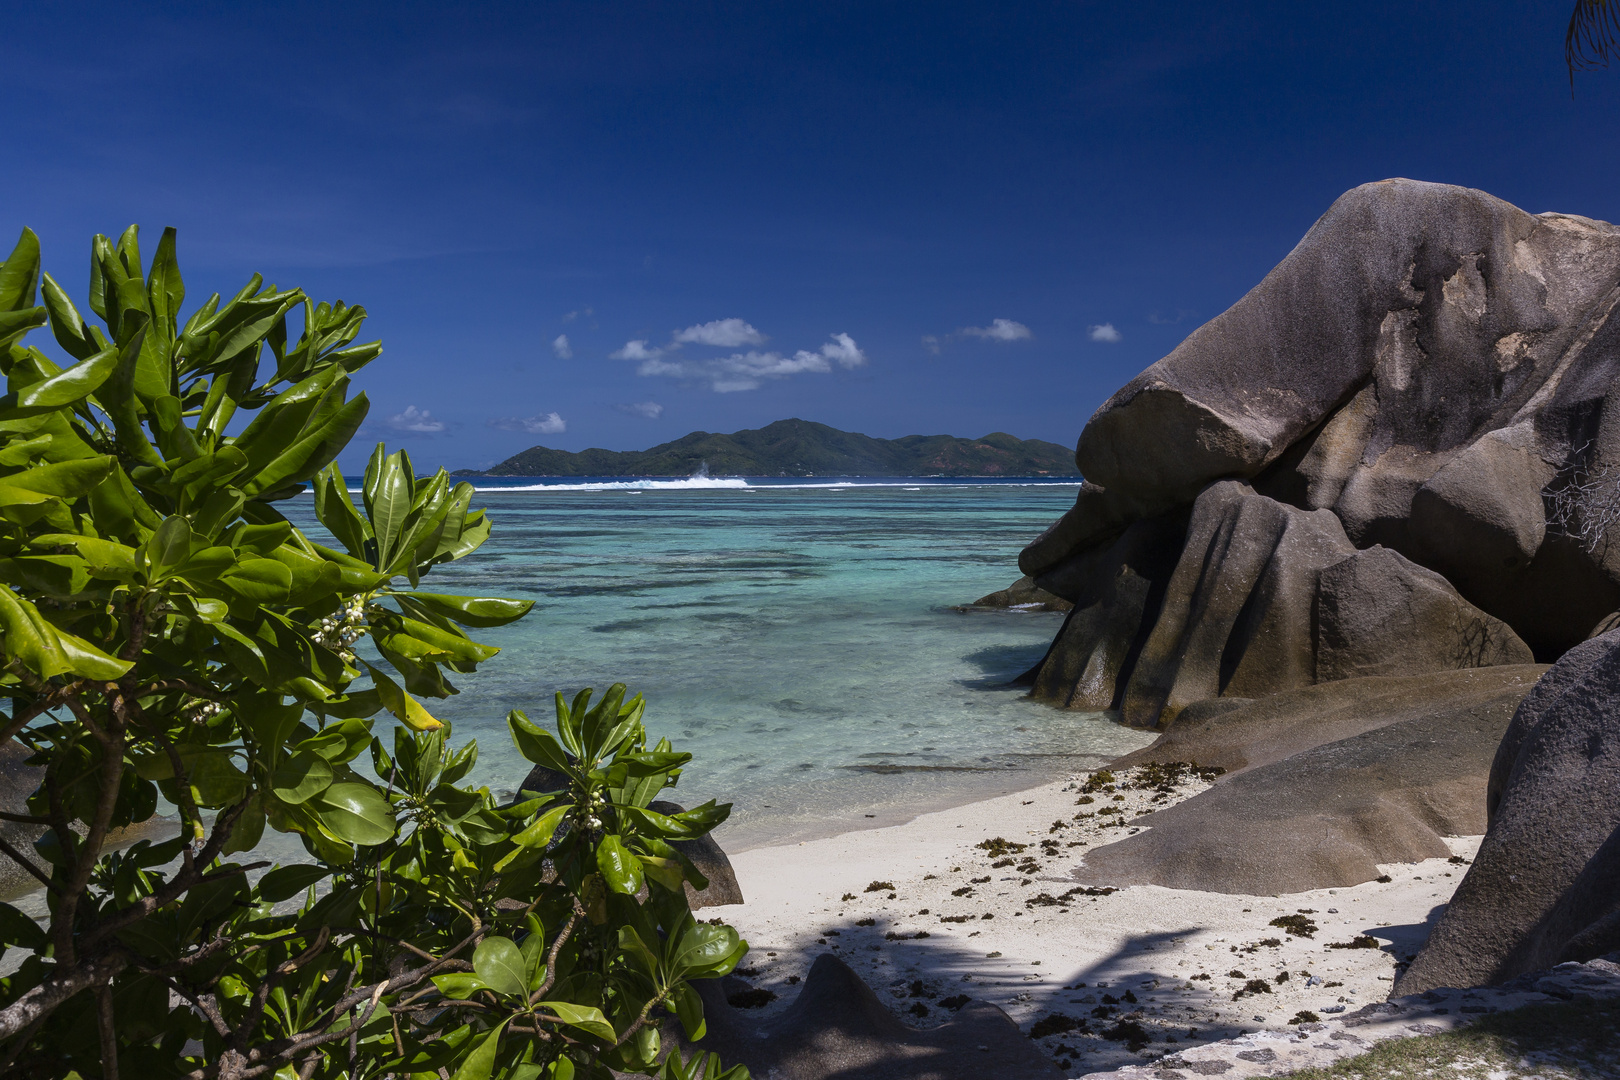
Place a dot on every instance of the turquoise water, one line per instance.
(797, 637)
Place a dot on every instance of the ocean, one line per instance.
(798, 637)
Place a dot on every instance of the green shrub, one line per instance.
(167, 631)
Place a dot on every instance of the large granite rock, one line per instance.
(1426, 363)
(837, 1027)
(1545, 885)
(1324, 783)
(1237, 613)
(1116, 590)
(1264, 597)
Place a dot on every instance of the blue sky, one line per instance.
(892, 218)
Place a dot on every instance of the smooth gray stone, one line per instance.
(1545, 885)
(1324, 784)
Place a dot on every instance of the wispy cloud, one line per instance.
(414, 421)
(726, 333)
(998, 330)
(549, 424)
(572, 315)
(637, 350)
(1105, 332)
(747, 371)
(649, 409)
(561, 347)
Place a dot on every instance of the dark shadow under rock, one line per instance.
(837, 1029)
(1382, 780)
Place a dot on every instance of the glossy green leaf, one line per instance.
(68, 387)
(480, 1060)
(301, 777)
(689, 1008)
(66, 324)
(618, 867)
(355, 812)
(63, 479)
(459, 985)
(399, 702)
(536, 744)
(169, 547)
(585, 1018)
(215, 780)
(288, 881)
(47, 650)
(701, 947)
(473, 611)
(19, 274)
(499, 962)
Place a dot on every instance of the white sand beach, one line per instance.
(1010, 927)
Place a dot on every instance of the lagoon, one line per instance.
(797, 636)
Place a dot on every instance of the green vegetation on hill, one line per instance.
(802, 448)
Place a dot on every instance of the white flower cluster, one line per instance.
(593, 808)
(341, 629)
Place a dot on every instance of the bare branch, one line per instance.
(62, 983)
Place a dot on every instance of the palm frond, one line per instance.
(1593, 36)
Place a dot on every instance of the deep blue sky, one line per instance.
(486, 177)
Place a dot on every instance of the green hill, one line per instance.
(802, 448)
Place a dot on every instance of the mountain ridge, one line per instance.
(797, 447)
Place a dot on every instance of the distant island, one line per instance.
(802, 448)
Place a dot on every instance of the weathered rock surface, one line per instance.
(1427, 363)
(17, 782)
(1237, 612)
(1264, 597)
(1543, 887)
(1116, 590)
(1325, 783)
(837, 1027)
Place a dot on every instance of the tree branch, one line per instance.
(62, 983)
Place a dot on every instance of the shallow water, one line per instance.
(797, 637)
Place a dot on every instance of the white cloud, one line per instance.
(1105, 332)
(414, 421)
(561, 348)
(843, 349)
(649, 409)
(636, 350)
(572, 315)
(747, 371)
(726, 333)
(549, 424)
(998, 330)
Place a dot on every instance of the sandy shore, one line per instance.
(935, 908)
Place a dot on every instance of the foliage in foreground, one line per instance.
(168, 632)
